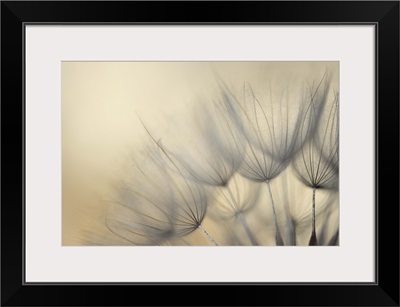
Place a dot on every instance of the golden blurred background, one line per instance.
(102, 104)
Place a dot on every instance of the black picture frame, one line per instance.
(383, 14)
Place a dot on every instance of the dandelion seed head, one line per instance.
(317, 163)
(238, 197)
(215, 151)
(154, 204)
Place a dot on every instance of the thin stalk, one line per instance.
(291, 231)
(335, 238)
(294, 234)
(242, 219)
(248, 230)
(207, 235)
(313, 238)
(278, 237)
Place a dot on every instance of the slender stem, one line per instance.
(241, 217)
(294, 234)
(335, 238)
(291, 229)
(313, 238)
(247, 228)
(278, 237)
(313, 210)
(207, 235)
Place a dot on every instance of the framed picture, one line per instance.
(200, 148)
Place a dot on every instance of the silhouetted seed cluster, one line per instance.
(245, 143)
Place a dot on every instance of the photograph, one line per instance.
(200, 153)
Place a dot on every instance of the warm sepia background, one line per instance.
(101, 105)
